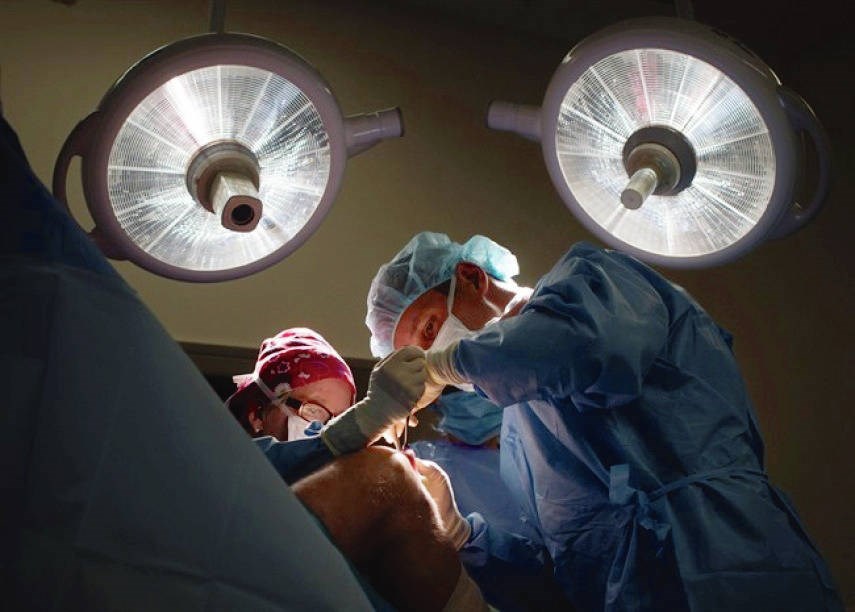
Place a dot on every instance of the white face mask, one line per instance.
(452, 329)
(299, 428)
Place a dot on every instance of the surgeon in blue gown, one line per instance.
(628, 436)
(504, 553)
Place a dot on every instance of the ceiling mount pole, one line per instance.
(684, 9)
(218, 16)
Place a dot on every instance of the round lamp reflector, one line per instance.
(152, 151)
(734, 173)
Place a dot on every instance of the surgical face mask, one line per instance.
(452, 329)
(299, 428)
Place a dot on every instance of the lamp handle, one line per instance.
(804, 120)
(521, 119)
(77, 145)
(365, 130)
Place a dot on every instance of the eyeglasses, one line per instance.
(308, 410)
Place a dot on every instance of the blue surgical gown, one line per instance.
(295, 459)
(504, 555)
(631, 444)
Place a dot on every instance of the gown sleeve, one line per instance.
(297, 458)
(513, 572)
(590, 331)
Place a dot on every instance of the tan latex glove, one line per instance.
(439, 372)
(396, 384)
(438, 484)
(393, 434)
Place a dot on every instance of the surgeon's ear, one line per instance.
(470, 274)
(254, 419)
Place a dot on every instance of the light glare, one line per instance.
(153, 149)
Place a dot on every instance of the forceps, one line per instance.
(402, 443)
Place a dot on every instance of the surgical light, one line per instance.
(671, 141)
(215, 157)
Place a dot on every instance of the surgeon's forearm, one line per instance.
(441, 368)
(297, 458)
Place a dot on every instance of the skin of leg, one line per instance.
(380, 516)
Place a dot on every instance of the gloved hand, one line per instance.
(438, 484)
(393, 434)
(440, 371)
(395, 385)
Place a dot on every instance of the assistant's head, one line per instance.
(299, 378)
(469, 418)
(432, 277)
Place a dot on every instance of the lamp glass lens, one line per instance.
(632, 89)
(151, 153)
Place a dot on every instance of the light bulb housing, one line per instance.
(779, 110)
(95, 138)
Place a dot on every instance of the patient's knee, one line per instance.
(366, 499)
(391, 487)
(398, 487)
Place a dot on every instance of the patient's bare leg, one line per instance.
(378, 514)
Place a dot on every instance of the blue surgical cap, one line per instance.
(468, 417)
(427, 260)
